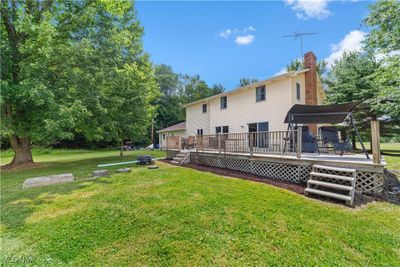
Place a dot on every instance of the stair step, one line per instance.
(328, 194)
(330, 185)
(333, 176)
(334, 168)
(175, 162)
(178, 158)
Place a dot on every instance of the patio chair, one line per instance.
(308, 142)
(191, 142)
(329, 135)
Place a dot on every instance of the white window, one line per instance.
(204, 108)
(260, 93)
(298, 91)
(199, 131)
(224, 102)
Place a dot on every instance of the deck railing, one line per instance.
(272, 142)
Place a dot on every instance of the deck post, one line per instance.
(298, 145)
(251, 143)
(376, 148)
(219, 143)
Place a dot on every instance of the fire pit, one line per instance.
(144, 160)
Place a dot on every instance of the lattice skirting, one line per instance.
(367, 182)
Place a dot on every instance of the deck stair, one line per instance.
(332, 182)
(181, 157)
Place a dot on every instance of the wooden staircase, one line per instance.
(181, 157)
(332, 182)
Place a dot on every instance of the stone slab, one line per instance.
(99, 173)
(48, 180)
(124, 170)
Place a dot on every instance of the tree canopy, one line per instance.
(72, 67)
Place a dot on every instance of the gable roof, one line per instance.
(252, 85)
(175, 127)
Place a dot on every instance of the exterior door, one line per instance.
(252, 130)
(262, 136)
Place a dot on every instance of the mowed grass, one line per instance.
(179, 216)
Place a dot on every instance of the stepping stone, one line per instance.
(48, 180)
(99, 173)
(124, 170)
(152, 167)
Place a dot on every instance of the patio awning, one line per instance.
(320, 113)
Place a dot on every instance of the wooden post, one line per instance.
(219, 143)
(376, 147)
(251, 143)
(298, 145)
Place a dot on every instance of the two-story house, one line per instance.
(260, 106)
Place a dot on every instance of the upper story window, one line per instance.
(260, 93)
(298, 91)
(224, 102)
(204, 108)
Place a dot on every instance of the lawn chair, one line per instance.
(329, 135)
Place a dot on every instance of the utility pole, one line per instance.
(299, 35)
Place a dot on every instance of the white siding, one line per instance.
(196, 119)
(243, 109)
(163, 141)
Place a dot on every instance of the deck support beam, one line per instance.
(375, 146)
(298, 145)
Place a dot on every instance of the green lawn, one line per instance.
(179, 216)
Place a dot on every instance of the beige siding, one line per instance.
(162, 137)
(243, 109)
(301, 80)
(196, 119)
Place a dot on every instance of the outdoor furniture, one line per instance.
(144, 160)
(318, 114)
(308, 141)
(191, 142)
(329, 136)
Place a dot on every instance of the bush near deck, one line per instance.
(181, 216)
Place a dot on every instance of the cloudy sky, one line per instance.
(224, 41)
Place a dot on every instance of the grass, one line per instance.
(391, 153)
(179, 216)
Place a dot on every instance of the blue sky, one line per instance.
(224, 41)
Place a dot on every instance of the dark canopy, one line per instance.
(320, 114)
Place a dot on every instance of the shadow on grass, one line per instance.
(18, 204)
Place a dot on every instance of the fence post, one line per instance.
(298, 145)
(251, 143)
(376, 147)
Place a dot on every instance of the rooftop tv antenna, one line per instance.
(299, 36)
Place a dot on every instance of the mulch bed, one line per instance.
(297, 188)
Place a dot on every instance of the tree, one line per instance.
(351, 78)
(195, 88)
(246, 81)
(384, 19)
(63, 63)
(170, 110)
(383, 39)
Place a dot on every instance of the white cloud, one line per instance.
(306, 9)
(225, 33)
(245, 39)
(351, 42)
(242, 36)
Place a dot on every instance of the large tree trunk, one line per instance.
(22, 150)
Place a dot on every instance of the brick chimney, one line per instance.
(310, 62)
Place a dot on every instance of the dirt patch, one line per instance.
(20, 166)
(297, 188)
